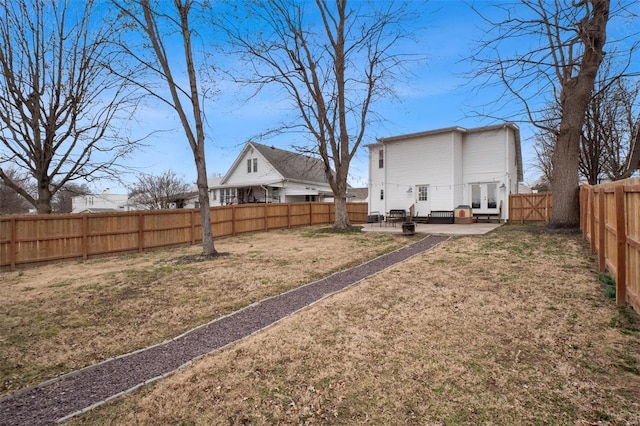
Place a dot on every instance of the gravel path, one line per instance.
(76, 392)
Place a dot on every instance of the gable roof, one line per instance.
(511, 125)
(290, 165)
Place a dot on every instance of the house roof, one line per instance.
(358, 193)
(459, 129)
(290, 165)
(184, 196)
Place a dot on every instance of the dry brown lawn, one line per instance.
(507, 328)
(512, 327)
(61, 317)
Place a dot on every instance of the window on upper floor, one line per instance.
(252, 165)
(381, 159)
(382, 194)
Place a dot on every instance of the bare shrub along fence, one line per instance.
(40, 238)
(610, 221)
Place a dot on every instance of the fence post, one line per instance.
(592, 219)
(288, 216)
(547, 219)
(140, 232)
(621, 241)
(601, 231)
(12, 242)
(582, 209)
(85, 236)
(193, 227)
(266, 217)
(233, 219)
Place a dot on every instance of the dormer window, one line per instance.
(252, 165)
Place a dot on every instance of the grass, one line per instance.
(507, 328)
(462, 335)
(61, 317)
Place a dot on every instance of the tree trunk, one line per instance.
(208, 247)
(342, 215)
(564, 183)
(43, 203)
(574, 100)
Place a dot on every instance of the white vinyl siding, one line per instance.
(484, 157)
(417, 161)
(449, 162)
(376, 180)
(253, 169)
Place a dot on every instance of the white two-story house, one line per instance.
(445, 168)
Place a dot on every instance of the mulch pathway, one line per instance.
(82, 390)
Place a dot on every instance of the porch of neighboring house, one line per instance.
(268, 194)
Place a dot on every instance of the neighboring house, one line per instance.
(267, 174)
(442, 169)
(185, 200)
(358, 195)
(96, 203)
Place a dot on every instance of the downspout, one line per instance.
(507, 181)
(386, 167)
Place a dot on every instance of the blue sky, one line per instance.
(439, 96)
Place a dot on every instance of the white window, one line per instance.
(381, 159)
(229, 196)
(252, 165)
(255, 165)
(249, 166)
(382, 194)
(423, 193)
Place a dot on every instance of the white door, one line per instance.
(423, 205)
(484, 197)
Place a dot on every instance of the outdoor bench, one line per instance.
(441, 216)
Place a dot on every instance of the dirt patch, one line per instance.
(58, 318)
(506, 328)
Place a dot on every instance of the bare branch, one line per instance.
(58, 103)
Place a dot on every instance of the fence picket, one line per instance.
(29, 239)
(616, 228)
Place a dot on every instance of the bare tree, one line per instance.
(616, 123)
(544, 142)
(59, 105)
(332, 63)
(157, 191)
(564, 65)
(10, 201)
(157, 24)
(611, 124)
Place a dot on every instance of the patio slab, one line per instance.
(434, 229)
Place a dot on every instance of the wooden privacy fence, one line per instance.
(530, 207)
(29, 239)
(610, 221)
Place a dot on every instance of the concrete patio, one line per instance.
(434, 229)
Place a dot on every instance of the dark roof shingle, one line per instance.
(292, 165)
